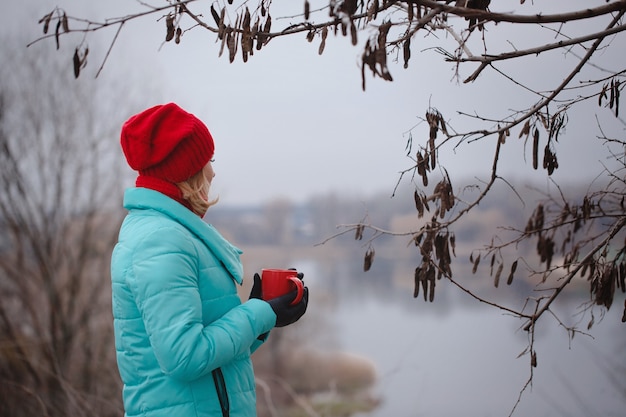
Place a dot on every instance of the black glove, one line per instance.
(285, 312)
(256, 288)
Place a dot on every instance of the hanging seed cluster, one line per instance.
(554, 127)
(435, 243)
(59, 18)
(61, 25)
(436, 248)
(604, 281)
(610, 94)
(567, 229)
(244, 33)
(375, 55)
(606, 276)
(426, 158)
(369, 253)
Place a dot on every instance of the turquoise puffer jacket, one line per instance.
(181, 332)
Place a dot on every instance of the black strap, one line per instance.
(222, 394)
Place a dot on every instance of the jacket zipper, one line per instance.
(220, 387)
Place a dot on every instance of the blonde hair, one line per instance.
(196, 191)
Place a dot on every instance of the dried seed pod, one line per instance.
(550, 161)
(450, 195)
(502, 137)
(475, 266)
(216, 16)
(442, 125)
(57, 33)
(368, 260)
(422, 167)
(323, 42)
(359, 232)
(419, 204)
(46, 22)
(246, 36)
(353, 33)
(221, 27)
(602, 94)
(231, 43)
(65, 24)
(431, 280)
(445, 261)
(76, 61)
(433, 154)
(344, 28)
(268, 24)
(425, 201)
(617, 83)
(511, 273)
(439, 244)
(453, 244)
(246, 20)
(496, 279)
(169, 26)
(223, 38)
(420, 163)
(525, 130)
(536, 148)
(416, 278)
(406, 49)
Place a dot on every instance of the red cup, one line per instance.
(277, 282)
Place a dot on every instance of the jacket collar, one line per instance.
(229, 255)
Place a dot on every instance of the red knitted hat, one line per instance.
(166, 142)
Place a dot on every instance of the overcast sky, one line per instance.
(291, 123)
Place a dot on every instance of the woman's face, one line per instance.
(208, 172)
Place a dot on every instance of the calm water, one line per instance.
(459, 357)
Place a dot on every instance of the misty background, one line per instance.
(302, 150)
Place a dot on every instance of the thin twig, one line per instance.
(106, 57)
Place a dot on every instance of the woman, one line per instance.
(182, 335)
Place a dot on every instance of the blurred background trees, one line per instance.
(58, 171)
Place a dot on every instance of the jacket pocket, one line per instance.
(222, 394)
